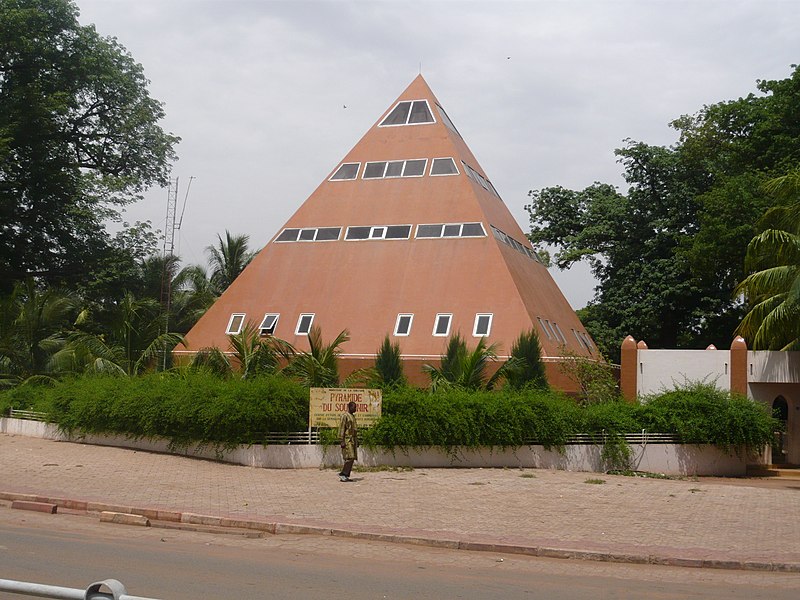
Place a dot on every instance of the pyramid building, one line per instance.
(407, 237)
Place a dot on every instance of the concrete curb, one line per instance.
(138, 516)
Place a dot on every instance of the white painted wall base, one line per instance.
(669, 459)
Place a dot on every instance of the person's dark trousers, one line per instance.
(347, 467)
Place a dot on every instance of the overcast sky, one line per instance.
(542, 91)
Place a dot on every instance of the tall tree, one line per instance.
(668, 252)
(228, 259)
(79, 137)
(773, 287)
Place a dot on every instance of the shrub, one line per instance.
(194, 407)
(699, 413)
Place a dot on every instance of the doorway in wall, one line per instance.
(780, 410)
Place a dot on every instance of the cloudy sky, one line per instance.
(543, 91)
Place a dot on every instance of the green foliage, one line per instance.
(701, 413)
(79, 136)
(319, 367)
(455, 417)
(192, 407)
(254, 355)
(772, 288)
(668, 252)
(461, 368)
(389, 366)
(228, 259)
(527, 370)
(595, 378)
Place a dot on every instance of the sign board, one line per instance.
(327, 405)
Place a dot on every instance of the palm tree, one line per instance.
(255, 355)
(132, 342)
(389, 365)
(33, 327)
(319, 367)
(193, 295)
(525, 368)
(462, 368)
(228, 259)
(773, 287)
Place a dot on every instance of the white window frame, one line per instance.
(560, 333)
(300, 320)
(391, 110)
(374, 228)
(229, 330)
(444, 174)
(436, 323)
(358, 169)
(385, 166)
(424, 166)
(488, 328)
(397, 324)
(542, 325)
(263, 330)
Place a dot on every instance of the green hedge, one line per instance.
(195, 407)
(199, 407)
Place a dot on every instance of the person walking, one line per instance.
(348, 436)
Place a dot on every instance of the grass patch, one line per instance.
(528, 476)
(595, 481)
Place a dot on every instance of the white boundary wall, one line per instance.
(659, 370)
(669, 459)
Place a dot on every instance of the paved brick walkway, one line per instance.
(677, 519)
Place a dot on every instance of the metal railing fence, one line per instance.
(116, 591)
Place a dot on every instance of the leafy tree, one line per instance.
(667, 253)
(527, 369)
(79, 137)
(773, 288)
(228, 259)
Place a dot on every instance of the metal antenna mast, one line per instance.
(171, 225)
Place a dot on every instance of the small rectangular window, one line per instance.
(452, 230)
(429, 231)
(288, 235)
(346, 171)
(374, 170)
(560, 333)
(420, 113)
(442, 325)
(444, 166)
(304, 324)
(446, 120)
(307, 235)
(473, 230)
(395, 168)
(357, 233)
(403, 324)
(328, 234)
(553, 334)
(545, 329)
(269, 323)
(377, 233)
(483, 325)
(415, 168)
(398, 232)
(235, 324)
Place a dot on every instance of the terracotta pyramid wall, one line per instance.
(487, 267)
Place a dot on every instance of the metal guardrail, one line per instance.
(116, 591)
(30, 415)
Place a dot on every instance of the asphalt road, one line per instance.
(73, 551)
